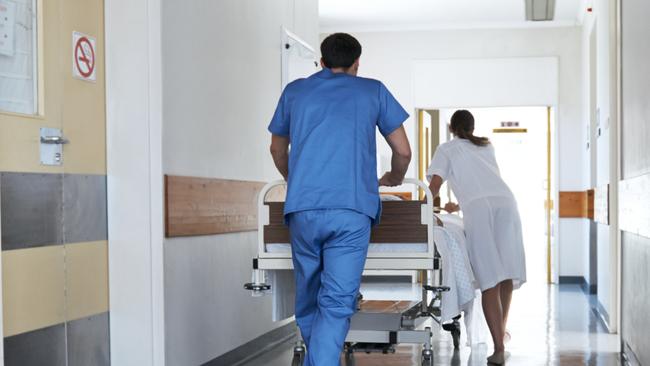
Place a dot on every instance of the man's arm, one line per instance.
(280, 154)
(399, 144)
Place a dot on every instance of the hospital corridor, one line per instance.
(324, 182)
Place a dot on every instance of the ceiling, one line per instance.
(396, 15)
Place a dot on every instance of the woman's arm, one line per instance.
(434, 187)
(435, 184)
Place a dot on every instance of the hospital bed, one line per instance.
(403, 240)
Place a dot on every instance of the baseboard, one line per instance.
(256, 347)
(629, 358)
(599, 311)
(581, 281)
(571, 280)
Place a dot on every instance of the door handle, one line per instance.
(54, 140)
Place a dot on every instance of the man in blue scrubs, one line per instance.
(330, 119)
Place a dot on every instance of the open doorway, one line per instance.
(522, 139)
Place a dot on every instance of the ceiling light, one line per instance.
(540, 10)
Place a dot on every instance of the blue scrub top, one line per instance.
(331, 120)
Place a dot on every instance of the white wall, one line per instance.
(389, 56)
(221, 78)
(600, 21)
(492, 81)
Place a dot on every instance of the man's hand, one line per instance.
(389, 180)
(452, 207)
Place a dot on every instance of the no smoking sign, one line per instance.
(83, 57)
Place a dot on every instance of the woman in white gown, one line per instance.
(491, 220)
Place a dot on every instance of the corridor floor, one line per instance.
(550, 325)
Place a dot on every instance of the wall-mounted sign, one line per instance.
(7, 27)
(83, 57)
(509, 124)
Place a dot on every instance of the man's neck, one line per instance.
(343, 70)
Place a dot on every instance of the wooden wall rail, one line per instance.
(591, 204)
(578, 204)
(204, 206)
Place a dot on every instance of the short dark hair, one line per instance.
(340, 50)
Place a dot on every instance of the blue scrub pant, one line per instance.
(329, 253)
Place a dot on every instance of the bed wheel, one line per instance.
(427, 358)
(349, 356)
(298, 358)
(298, 355)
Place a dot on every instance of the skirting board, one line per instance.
(629, 358)
(578, 280)
(602, 314)
(256, 347)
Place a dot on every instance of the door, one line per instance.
(53, 195)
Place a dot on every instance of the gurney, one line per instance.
(402, 241)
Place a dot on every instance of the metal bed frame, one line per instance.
(369, 330)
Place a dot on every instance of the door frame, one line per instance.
(135, 181)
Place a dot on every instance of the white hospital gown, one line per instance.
(490, 215)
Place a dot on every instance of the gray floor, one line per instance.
(550, 325)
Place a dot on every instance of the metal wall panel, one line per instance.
(634, 209)
(37, 348)
(31, 206)
(635, 295)
(88, 341)
(84, 208)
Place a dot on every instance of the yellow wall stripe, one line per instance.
(86, 279)
(37, 280)
(32, 288)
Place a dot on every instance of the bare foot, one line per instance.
(497, 358)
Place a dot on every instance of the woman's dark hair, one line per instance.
(462, 125)
(340, 50)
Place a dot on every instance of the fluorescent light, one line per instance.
(540, 10)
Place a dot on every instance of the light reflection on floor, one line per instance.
(549, 325)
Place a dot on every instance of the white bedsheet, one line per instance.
(373, 248)
(458, 275)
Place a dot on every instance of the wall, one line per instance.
(54, 236)
(389, 56)
(603, 135)
(221, 82)
(635, 162)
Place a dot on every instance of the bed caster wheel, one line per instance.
(298, 358)
(349, 357)
(257, 287)
(298, 355)
(427, 358)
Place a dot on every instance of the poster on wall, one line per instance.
(83, 57)
(7, 27)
